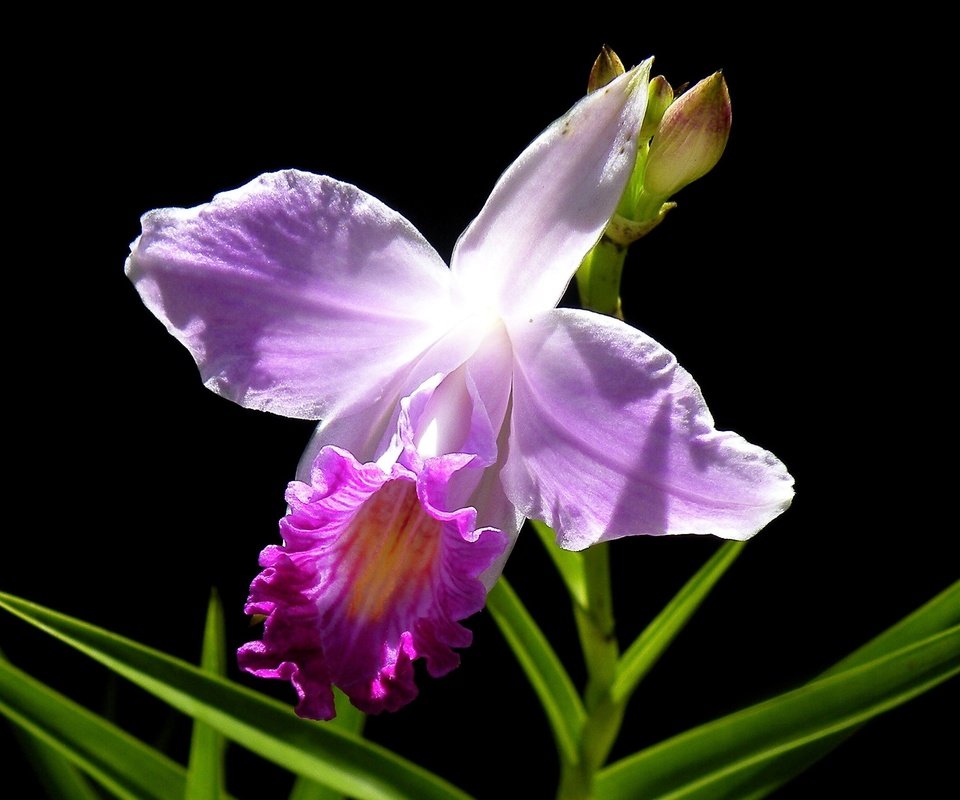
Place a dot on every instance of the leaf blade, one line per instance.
(349, 718)
(568, 563)
(938, 614)
(647, 648)
(351, 765)
(120, 763)
(61, 778)
(205, 768)
(690, 765)
(542, 667)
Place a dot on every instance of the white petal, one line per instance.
(552, 204)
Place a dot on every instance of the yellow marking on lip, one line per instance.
(392, 544)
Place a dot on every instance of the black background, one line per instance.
(133, 490)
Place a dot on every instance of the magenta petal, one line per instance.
(611, 437)
(371, 576)
(295, 294)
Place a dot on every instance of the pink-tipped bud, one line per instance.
(659, 98)
(607, 67)
(691, 138)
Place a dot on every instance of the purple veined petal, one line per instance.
(462, 412)
(371, 576)
(295, 294)
(611, 437)
(552, 204)
(466, 412)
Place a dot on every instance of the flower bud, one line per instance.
(607, 67)
(659, 98)
(690, 139)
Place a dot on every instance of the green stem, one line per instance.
(595, 625)
(598, 278)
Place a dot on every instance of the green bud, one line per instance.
(691, 138)
(659, 98)
(607, 67)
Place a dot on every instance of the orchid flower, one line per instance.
(454, 401)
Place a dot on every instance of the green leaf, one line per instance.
(58, 775)
(568, 563)
(205, 770)
(349, 718)
(692, 765)
(646, 650)
(269, 728)
(123, 765)
(544, 670)
(940, 613)
(306, 789)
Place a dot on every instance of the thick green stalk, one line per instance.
(598, 278)
(595, 624)
(598, 640)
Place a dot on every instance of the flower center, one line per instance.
(445, 421)
(392, 545)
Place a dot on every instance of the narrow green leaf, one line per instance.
(568, 563)
(213, 653)
(940, 613)
(544, 670)
(269, 728)
(937, 615)
(205, 770)
(306, 789)
(646, 650)
(689, 766)
(349, 718)
(123, 765)
(58, 775)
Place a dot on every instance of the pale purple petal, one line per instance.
(295, 294)
(611, 437)
(365, 429)
(462, 411)
(489, 375)
(477, 393)
(495, 510)
(371, 576)
(367, 426)
(489, 372)
(551, 205)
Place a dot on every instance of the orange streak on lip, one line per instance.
(392, 544)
